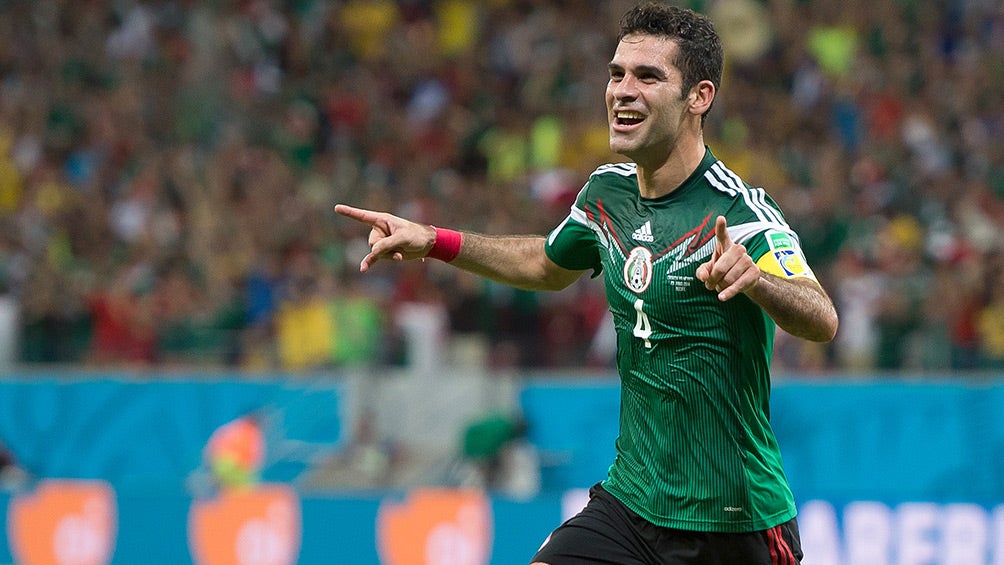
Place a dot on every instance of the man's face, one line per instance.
(644, 107)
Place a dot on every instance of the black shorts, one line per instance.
(606, 531)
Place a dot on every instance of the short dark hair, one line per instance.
(700, 57)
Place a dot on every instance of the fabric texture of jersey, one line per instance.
(695, 448)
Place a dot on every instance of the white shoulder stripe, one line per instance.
(761, 196)
(623, 169)
(554, 233)
(737, 188)
(711, 178)
(728, 182)
(579, 216)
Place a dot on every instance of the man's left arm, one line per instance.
(798, 305)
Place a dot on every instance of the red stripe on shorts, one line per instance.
(780, 553)
(772, 544)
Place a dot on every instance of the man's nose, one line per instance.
(626, 88)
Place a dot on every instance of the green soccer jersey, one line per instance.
(695, 449)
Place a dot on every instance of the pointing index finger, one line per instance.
(358, 214)
(722, 233)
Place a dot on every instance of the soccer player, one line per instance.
(699, 267)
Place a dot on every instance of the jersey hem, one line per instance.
(734, 527)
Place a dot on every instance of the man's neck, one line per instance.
(660, 177)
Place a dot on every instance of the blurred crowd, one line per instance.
(168, 170)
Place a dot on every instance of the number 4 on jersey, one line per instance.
(642, 326)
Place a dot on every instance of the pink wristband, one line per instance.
(447, 245)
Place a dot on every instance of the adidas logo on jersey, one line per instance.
(644, 233)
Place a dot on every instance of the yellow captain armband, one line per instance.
(784, 258)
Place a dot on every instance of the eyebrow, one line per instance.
(639, 69)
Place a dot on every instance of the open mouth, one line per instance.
(628, 118)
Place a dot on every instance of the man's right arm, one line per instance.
(513, 260)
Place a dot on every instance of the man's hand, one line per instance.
(390, 237)
(730, 270)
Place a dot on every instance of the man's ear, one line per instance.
(701, 97)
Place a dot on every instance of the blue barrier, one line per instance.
(892, 441)
(883, 472)
(153, 528)
(153, 431)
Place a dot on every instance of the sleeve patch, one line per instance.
(778, 241)
(785, 263)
